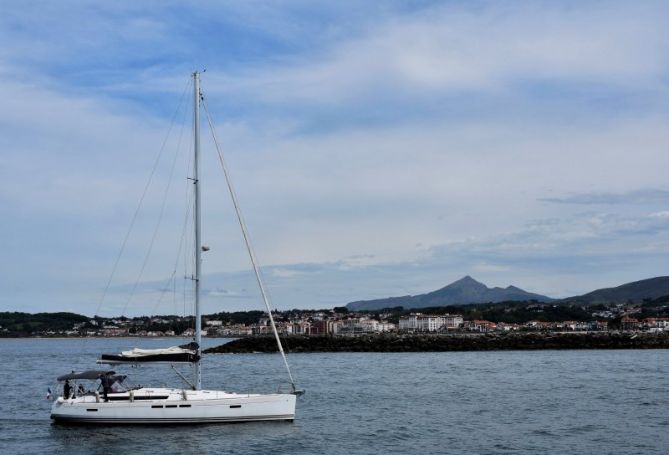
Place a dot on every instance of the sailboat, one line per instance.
(117, 403)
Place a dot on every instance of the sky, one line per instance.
(377, 148)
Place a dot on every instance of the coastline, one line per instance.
(35, 337)
(446, 343)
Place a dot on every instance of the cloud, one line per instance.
(557, 257)
(497, 49)
(491, 268)
(354, 132)
(226, 293)
(642, 196)
(285, 272)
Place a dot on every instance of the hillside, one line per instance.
(463, 291)
(24, 324)
(651, 288)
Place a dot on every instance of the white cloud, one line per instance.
(489, 49)
(449, 127)
(282, 272)
(642, 196)
(491, 268)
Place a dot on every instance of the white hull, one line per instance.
(168, 406)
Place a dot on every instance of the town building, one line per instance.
(418, 322)
(655, 324)
(481, 326)
(629, 323)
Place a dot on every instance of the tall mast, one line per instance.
(198, 240)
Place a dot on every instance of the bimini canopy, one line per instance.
(176, 354)
(89, 374)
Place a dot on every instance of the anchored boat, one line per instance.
(111, 400)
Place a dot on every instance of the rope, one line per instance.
(172, 279)
(247, 241)
(188, 251)
(141, 201)
(190, 203)
(158, 223)
(181, 237)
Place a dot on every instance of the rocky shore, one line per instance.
(439, 343)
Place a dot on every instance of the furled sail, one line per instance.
(186, 353)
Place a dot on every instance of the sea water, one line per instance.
(520, 402)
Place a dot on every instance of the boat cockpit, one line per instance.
(78, 384)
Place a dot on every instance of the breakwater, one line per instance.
(442, 343)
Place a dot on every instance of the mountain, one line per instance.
(464, 291)
(650, 288)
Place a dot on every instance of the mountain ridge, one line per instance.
(649, 288)
(466, 290)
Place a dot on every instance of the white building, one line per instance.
(385, 327)
(363, 325)
(417, 322)
(453, 321)
(234, 330)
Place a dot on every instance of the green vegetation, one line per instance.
(522, 312)
(25, 324)
(511, 312)
(237, 317)
(15, 324)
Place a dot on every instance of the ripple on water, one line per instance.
(470, 402)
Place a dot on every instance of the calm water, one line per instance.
(498, 402)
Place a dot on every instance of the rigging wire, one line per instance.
(141, 200)
(155, 231)
(188, 258)
(182, 234)
(172, 278)
(189, 266)
(247, 241)
(283, 336)
(182, 242)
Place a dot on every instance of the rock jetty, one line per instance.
(442, 343)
